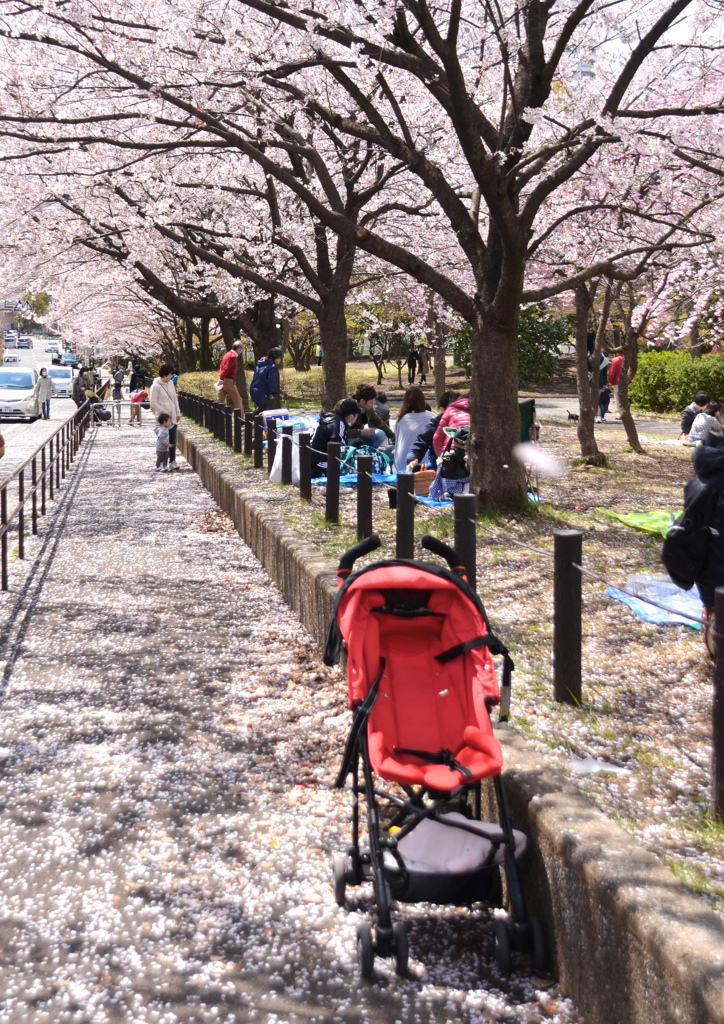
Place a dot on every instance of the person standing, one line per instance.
(614, 375)
(163, 399)
(264, 389)
(46, 391)
(319, 355)
(424, 363)
(226, 384)
(411, 365)
(137, 383)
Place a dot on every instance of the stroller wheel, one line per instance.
(502, 945)
(339, 873)
(365, 951)
(401, 946)
(538, 948)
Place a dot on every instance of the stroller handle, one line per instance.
(437, 547)
(364, 547)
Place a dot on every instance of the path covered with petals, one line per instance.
(167, 740)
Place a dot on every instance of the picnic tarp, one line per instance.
(678, 600)
(656, 521)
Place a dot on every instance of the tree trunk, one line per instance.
(628, 372)
(694, 342)
(204, 346)
(586, 408)
(440, 367)
(189, 353)
(333, 339)
(496, 477)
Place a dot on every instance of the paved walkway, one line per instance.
(167, 740)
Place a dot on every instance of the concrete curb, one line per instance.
(631, 944)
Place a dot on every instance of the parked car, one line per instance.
(68, 359)
(52, 346)
(24, 341)
(11, 358)
(19, 394)
(62, 377)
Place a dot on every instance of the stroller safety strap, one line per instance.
(495, 645)
(445, 757)
(361, 714)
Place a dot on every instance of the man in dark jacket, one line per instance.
(333, 426)
(708, 459)
(692, 411)
(423, 444)
(368, 428)
(264, 389)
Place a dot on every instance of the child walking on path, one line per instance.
(161, 432)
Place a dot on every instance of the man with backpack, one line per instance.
(264, 389)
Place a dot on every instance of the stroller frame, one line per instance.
(419, 803)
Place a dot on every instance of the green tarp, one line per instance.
(657, 521)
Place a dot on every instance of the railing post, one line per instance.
(405, 526)
(466, 540)
(258, 442)
(287, 442)
(34, 479)
(237, 431)
(717, 759)
(58, 457)
(51, 467)
(42, 481)
(21, 514)
(248, 433)
(567, 608)
(331, 510)
(364, 496)
(305, 466)
(271, 443)
(4, 539)
(229, 425)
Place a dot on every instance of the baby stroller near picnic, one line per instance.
(422, 684)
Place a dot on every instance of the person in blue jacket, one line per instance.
(264, 389)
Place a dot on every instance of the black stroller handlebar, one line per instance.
(364, 547)
(437, 547)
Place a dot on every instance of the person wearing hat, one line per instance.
(264, 390)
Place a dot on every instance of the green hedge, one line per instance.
(668, 381)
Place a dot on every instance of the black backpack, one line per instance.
(685, 549)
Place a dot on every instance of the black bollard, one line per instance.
(405, 531)
(567, 608)
(466, 540)
(287, 443)
(305, 466)
(237, 431)
(331, 511)
(364, 496)
(717, 758)
(271, 444)
(248, 433)
(258, 442)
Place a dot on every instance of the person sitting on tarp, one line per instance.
(692, 411)
(333, 426)
(368, 428)
(708, 421)
(423, 444)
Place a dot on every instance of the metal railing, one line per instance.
(46, 468)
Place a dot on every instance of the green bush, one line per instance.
(668, 381)
(541, 334)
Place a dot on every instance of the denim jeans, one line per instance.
(46, 408)
(172, 443)
(375, 440)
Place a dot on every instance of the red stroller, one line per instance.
(422, 684)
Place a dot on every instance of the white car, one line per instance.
(11, 358)
(19, 394)
(52, 346)
(62, 378)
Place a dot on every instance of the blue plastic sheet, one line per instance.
(682, 600)
(350, 479)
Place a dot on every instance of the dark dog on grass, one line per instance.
(572, 417)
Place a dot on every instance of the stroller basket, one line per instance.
(422, 684)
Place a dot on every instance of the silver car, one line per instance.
(19, 394)
(62, 378)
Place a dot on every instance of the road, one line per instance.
(23, 438)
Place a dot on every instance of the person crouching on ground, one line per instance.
(333, 426)
(368, 428)
(163, 399)
(264, 388)
(161, 430)
(226, 384)
(46, 391)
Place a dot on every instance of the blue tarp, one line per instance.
(682, 600)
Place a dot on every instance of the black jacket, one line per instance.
(424, 441)
(708, 460)
(329, 429)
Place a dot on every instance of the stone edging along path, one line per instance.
(631, 945)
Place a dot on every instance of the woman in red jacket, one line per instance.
(456, 415)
